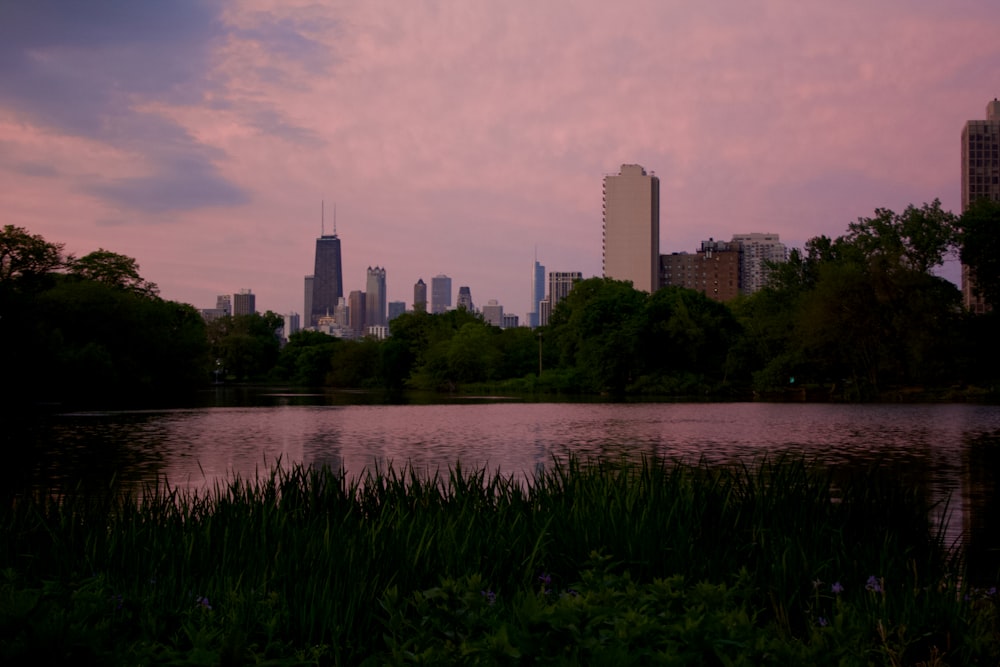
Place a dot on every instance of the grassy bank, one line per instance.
(597, 563)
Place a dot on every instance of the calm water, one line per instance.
(951, 451)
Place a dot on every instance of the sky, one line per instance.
(468, 137)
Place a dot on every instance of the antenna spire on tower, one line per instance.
(322, 218)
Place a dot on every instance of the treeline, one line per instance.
(852, 317)
(89, 329)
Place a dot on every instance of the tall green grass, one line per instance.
(304, 564)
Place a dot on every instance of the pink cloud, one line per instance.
(455, 137)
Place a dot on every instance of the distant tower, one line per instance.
(493, 313)
(291, 325)
(756, 250)
(537, 293)
(980, 180)
(375, 300)
(560, 284)
(420, 296)
(308, 299)
(632, 227)
(224, 303)
(328, 276)
(440, 293)
(396, 308)
(356, 311)
(465, 299)
(244, 303)
(341, 314)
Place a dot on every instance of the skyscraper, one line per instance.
(244, 303)
(465, 299)
(308, 300)
(328, 277)
(375, 300)
(757, 250)
(440, 293)
(632, 227)
(396, 308)
(420, 296)
(560, 284)
(980, 179)
(493, 313)
(537, 293)
(356, 303)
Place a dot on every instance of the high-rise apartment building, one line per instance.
(328, 277)
(632, 227)
(375, 299)
(980, 179)
(465, 299)
(420, 296)
(224, 302)
(440, 293)
(757, 251)
(537, 293)
(560, 284)
(244, 303)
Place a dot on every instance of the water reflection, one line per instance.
(951, 451)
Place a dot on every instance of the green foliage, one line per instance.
(246, 346)
(114, 270)
(980, 247)
(693, 564)
(306, 359)
(859, 312)
(26, 258)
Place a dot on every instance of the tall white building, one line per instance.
(632, 227)
(756, 250)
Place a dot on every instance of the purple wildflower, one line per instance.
(822, 621)
(203, 602)
(873, 584)
(490, 596)
(836, 588)
(545, 578)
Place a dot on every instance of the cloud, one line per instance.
(111, 70)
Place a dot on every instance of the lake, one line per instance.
(952, 451)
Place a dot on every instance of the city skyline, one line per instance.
(201, 137)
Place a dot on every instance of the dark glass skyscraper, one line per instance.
(328, 277)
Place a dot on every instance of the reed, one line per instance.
(305, 565)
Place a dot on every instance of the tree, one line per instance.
(247, 345)
(25, 257)
(114, 270)
(596, 330)
(917, 239)
(980, 225)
